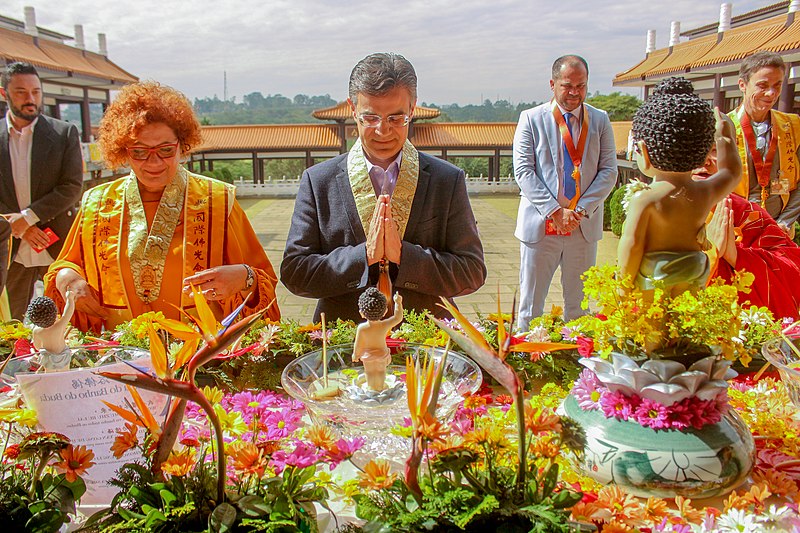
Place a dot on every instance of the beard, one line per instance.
(27, 112)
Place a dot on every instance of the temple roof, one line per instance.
(341, 111)
(704, 54)
(269, 137)
(83, 67)
(463, 134)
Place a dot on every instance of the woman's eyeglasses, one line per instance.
(163, 151)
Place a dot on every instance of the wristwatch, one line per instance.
(580, 210)
(251, 278)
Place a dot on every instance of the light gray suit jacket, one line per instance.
(537, 143)
(326, 258)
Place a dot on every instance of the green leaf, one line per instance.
(154, 518)
(222, 518)
(253, 506)
(143, 497)
(167, 497)
(77, 487)
(566, 498)
(550, 480)
(61, 498)
(46, 521)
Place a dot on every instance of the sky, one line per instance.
(464, 51)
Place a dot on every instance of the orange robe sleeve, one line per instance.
(766, 252)
(71, 256)
(243, 247)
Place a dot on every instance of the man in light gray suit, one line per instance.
(41, 176)
(565, 165)
(382, 207)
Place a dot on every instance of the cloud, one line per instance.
(463, 50)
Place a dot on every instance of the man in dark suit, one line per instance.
(382, 207)
(41, 176)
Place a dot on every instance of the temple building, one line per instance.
(710, 55)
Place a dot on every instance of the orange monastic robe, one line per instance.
(93, 250)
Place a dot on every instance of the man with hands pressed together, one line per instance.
(383, 212)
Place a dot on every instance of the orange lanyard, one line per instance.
(576, 154)
(763, 166)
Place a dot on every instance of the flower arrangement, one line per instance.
(40, 475)
(476, 476)
(659, 394)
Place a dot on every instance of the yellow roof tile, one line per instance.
(269, 137)
(463, 134)
(341, 111)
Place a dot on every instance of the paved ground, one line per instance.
(496, 215)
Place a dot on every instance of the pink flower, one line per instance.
(705, 412)
(281, 424)
(303, 455)
(251, 405)
(343, 450)
(617, 405)
(588, 390)
(462, 424)
(652, 414)
(680, 415)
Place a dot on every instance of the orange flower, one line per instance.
(756, 496)
(76, 459)
(654, 510)
(622, 506)
(377, 475)
(545, 447)
(778, 483)
(321, 437)
(181, 463)
(268, 447)
(430, 429)
(477, 436)
(686, 511)
(504, 399)
(540, 421)
(588, 512)
(448, 443)
(309, 328)
(474, 401)
(125, 440)
(247, 458)
(616, 527)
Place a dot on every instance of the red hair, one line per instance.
(139, 105)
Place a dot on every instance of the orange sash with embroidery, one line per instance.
(206, 207)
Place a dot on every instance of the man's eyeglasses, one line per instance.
(373, 121)
(163, 151)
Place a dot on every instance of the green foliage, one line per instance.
(417, 327)
(282, 504)
(256, 108)
(488, 111)
(477, 166)
(619, 106)
(616, 210)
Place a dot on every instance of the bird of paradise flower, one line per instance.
(215, 337)
(494, 362)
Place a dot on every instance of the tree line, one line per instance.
(255, 108)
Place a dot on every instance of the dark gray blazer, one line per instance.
(326, 256)
(56, 177)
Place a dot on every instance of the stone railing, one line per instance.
(287, 186)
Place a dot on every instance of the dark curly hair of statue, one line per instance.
(676, 126)
(372, 304)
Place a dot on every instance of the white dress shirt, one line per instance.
(20, 144)
(384, 181)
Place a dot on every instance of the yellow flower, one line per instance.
(231, 423)
(180, 463)
(377, 475)
(556, 310)
(125, 440)
(616, 527)
(247, 458)
(545, 447)
(76, 459)
(213, 394)
(686, 511)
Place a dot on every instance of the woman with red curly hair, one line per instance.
(140, 242)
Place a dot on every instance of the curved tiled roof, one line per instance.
(463, 134)
(653, 60)
(704, 53)
(736, 45)
(269, 137)
(59, 57)
(341, 111)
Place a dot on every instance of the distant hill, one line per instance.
(255, 108)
